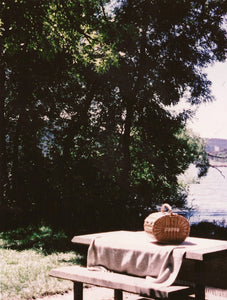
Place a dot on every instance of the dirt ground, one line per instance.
(93, 293)
(97, 293)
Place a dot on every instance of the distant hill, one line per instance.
(217, 147)
(214, 145)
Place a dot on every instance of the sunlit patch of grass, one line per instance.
(24, 274)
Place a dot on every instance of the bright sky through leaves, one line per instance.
(210, 120)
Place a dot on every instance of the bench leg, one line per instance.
(118, 295)
(199, 292)
(77, 290)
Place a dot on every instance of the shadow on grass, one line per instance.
(81, 260)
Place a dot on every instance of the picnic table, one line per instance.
(199, 252)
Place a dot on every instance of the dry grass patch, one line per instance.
(24, 274)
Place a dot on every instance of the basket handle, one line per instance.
(166, 205)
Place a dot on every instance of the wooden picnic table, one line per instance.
(202, 252)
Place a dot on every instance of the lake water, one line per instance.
(210, 197)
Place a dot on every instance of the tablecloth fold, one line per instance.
(136, 255)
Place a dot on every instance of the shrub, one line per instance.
(205, 229)
(41, 238)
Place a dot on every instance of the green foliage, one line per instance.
(41, 238)
(86, 133)
(215, 230)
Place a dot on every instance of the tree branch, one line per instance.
(103, 10)
(216, 168)
(216, 156)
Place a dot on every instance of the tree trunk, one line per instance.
(21, 100)
(130, 100)
(75, 124)
(3, 169)
(126, 167)
(15, 160)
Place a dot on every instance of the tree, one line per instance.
(163, 47)
(41, 42)
(86, 93)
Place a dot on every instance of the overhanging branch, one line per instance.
(216, 156)
(216, 168)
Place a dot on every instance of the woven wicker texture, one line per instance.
(167, 227)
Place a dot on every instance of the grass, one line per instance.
(27, 255)
(24, 274)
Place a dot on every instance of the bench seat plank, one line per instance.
(118, 281)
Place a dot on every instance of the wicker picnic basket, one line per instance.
(167, 227)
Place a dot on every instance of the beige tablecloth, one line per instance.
(136, 254)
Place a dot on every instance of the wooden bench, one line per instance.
(119, 283)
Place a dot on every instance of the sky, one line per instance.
(210, 120)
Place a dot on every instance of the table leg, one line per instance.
(77, 290)
(199, 285)
(118, 295)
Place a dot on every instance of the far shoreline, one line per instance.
(217, 164)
